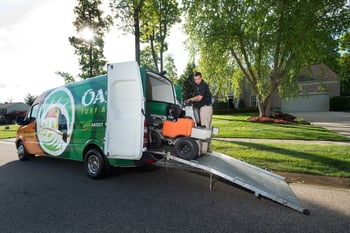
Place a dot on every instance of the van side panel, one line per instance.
(91, 111)
(72, 116)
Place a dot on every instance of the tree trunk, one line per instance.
(137, 37)
(265, 107)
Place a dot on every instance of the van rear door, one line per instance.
(125, 108)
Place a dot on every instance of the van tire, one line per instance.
(21, 152)
(186, 148)
(95, 164)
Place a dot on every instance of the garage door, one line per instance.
(312, 102)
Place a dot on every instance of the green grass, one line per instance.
(327, 160)
(237, 126)
(330, 160)
(8, 131)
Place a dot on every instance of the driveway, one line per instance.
(334, 121)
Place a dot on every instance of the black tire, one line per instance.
(95, 164)
(21, 152)
(186, 148)
(155, 140)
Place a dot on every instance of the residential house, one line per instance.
(317, 85)
(9, 111)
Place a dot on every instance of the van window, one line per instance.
(32, 114)
(159, 89)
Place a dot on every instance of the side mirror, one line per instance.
(20, 120)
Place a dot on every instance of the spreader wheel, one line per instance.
(186, 148)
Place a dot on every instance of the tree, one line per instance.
(186, 82)
(146, 58)
(267, 43)
(170, 68)
(128, 14)
(147, 61)
(29, 99)
(150, 24)
(344, 63)
(158, 17)
(91, 26)
(68, 78)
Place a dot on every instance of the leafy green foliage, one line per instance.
(68, 78)
(170, 68)
(158, 17)
(186, 82)
(339, 103)
(266, 43)
(128, 15)
(150, 22)
(90, 50)
(344, 63)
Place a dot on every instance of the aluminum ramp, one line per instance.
(261, 182)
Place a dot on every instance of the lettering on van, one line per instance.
(92, 97)
(55, 121)
(93, 101)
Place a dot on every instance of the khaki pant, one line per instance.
(205, 114)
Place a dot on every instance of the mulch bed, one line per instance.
(277, 118)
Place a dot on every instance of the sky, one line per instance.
(34, 45)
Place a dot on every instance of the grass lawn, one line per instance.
(6, 132)
(237, 126)
(330, 160)
(327, 160)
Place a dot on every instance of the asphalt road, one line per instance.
(52, 195)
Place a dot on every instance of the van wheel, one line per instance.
(186, 148)
(95, 164)
(21, 152)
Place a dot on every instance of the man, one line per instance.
(203, 102)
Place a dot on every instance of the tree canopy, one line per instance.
(344, 63)
(91, 26)
(150, 22)
(265, 43)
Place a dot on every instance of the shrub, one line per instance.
(338, 103)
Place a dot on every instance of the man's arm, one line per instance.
(196, 98)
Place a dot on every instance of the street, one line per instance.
(53, 195)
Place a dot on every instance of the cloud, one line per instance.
(2, 85)
(9, 40)
(13, 12)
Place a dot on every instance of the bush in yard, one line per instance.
(338, 103)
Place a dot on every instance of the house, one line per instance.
(9, 111)
(317, 85)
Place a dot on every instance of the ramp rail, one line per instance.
(262, 182)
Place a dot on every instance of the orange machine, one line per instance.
(181, 127)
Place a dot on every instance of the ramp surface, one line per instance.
(261, 182)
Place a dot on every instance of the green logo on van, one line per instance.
(55, 121)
